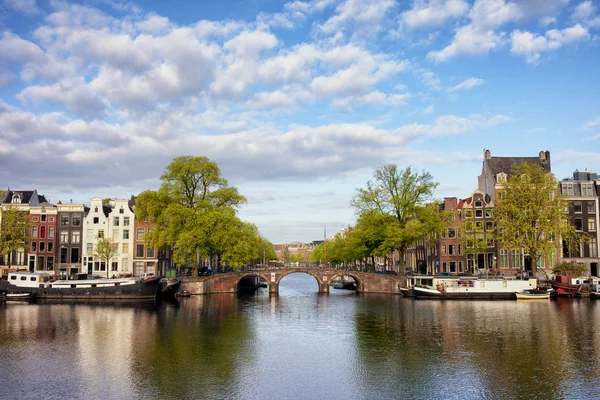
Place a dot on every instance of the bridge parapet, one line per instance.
(366, 282)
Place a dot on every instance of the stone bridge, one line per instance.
(366, 282)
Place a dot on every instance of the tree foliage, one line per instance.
(575, 269)
(14, 231)
(531, 216)
(105, 250)
(195, 213)
(395, 203)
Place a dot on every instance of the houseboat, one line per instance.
(423, 281)
(461, 287)
(41, 286)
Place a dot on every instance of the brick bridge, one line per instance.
(366, 282)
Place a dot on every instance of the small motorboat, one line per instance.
(532, 294)
(182, 293)
(19, 296)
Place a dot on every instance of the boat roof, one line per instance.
(29, 273)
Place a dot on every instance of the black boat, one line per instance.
(40, 286)
(169, 288)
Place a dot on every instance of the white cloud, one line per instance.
(363, 16)
(468, 40)
(24, 6)
(583, 11)
(375, 98)
(531, 46)
(592, 124)
(467, 84)
(433, 12)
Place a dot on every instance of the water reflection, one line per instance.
(301, 345)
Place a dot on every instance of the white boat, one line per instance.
(19, 296)
(460, 287)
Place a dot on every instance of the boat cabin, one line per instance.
(28, 279)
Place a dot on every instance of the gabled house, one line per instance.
(583, 210)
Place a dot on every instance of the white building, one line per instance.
(121, 225)
(95, 226)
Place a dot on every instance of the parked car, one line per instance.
(203, 271)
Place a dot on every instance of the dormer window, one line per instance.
(121, 211)
(478, 203)
(96, 209)
(16, 198)
(501, 177)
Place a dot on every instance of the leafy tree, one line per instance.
(194, 210)
(531, 216)
(475, 239)
(2, 195)
(14, 231)
(575, 269)
(105, 250)
(399, 196)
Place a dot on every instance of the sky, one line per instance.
(297, 102)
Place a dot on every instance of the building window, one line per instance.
(577, 207)
(578, 224)
(116, 221)
(516, 259)
(125, 248)
(470, 262)
(75, 255)
(501, 195)
(587, 189)
(489, 226)
(593, 247)
(101, 234)
(125, 265)
(501, 177)
(121, 211)
(443, 249)
(89, 248)
(42, 247)
(51, 219)
(64, 220)
(33, 246)
(115, 235)
(140, 234)
(40, 264)
(468, 213)
(43, 218)
(567, 188)
(139, 250)
(591, 207)
(451, 233)
(478, 213)
(50, 247)
(453, 266)
(451, 250)
(75, 237)
(460, 251)
(64, 236)
(35, 219)
(460, 266)
(488, 213)
(503, 258)
(478, 203)
(49, 262)
(42, 232)
(50, 232)
(63, 255)
(591, 224)
(114, 266)
(34, 232)
(139, 268)
(125, 233)
(150, 252)
(125, 221)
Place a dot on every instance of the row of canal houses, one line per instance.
(63, 237)
(450, 253)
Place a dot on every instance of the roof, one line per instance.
(497, 165)
(27, 197)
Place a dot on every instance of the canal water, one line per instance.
(301, 345)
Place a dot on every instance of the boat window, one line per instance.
(117, 283)
(23, 278)
(33, 279)
(73, 286)
(93, 285)
(13, 278)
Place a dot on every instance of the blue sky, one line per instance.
(296, 101)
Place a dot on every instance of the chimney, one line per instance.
(486, 154)
(542, 155)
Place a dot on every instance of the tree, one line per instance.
(572, 268)
(399, 197)
(475, 239)
(194, 210)
(531, 217)
(14, 231)
(105, 250)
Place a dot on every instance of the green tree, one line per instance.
(531, 217)
(105, 250)
(400, 197)
(573, 268)
(194, 210)
(475, 239)
(14, 231)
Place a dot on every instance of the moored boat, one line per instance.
(532, 294)
(170, 287)
(39, 285)
(19, 296)
(474, 288)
